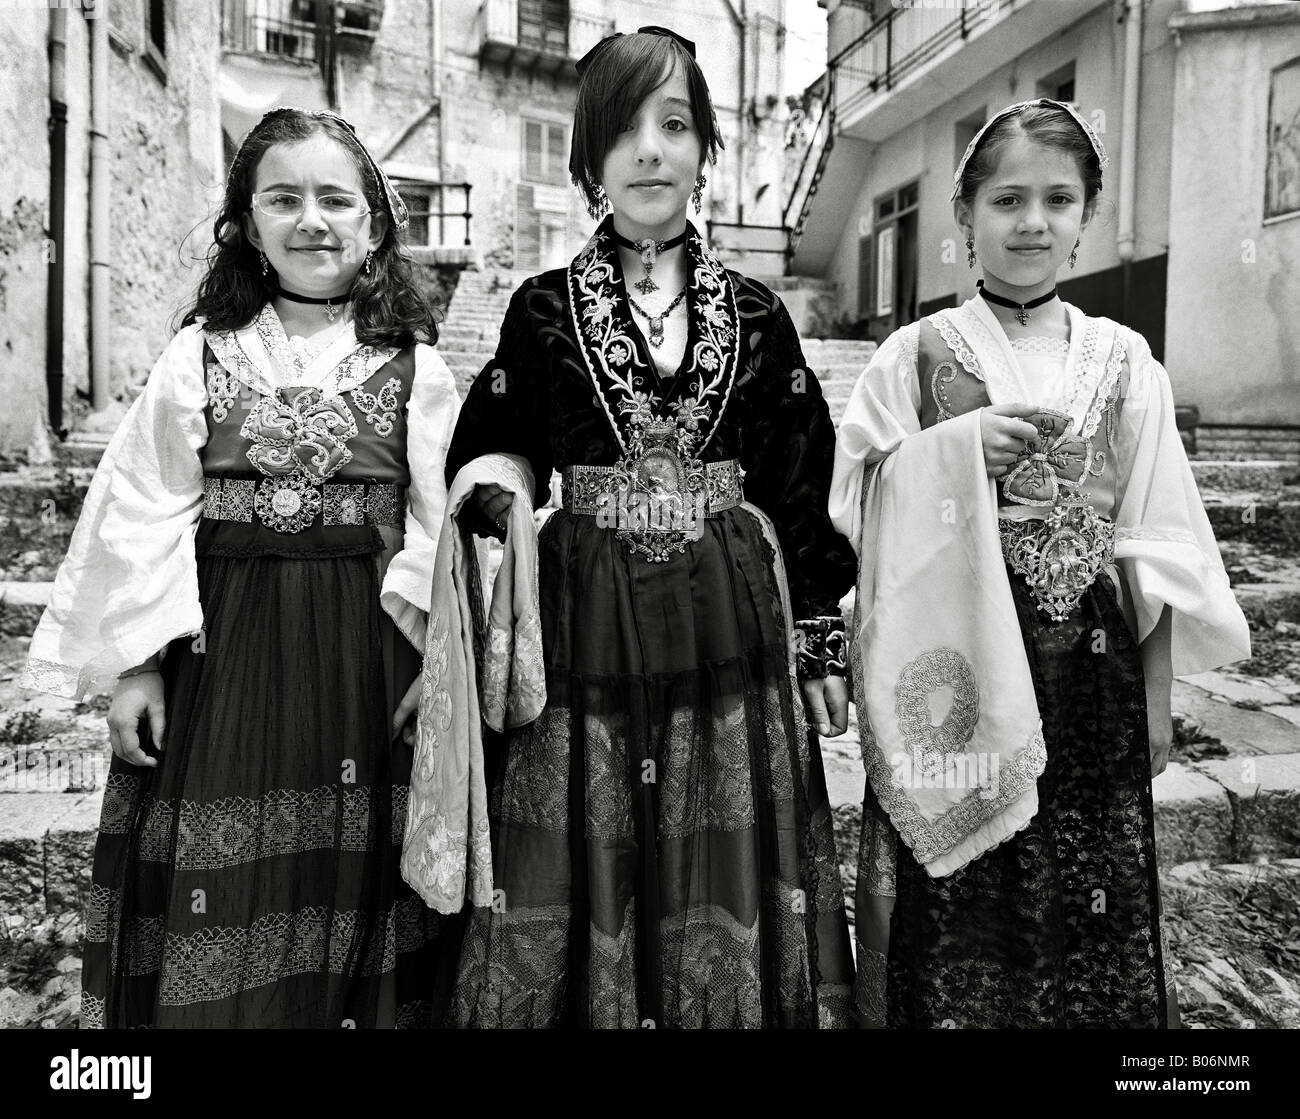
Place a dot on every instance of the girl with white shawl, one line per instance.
(1036, 566)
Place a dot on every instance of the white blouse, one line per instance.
(1164, 545)
(129, 582)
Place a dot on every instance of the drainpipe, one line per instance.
(739, 19)
(435, 73)
(58, 51)
(1128, 167)
(100, 273)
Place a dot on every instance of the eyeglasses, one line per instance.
(286, 204)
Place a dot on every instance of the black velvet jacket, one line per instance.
(560, 384)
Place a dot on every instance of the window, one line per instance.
(546, 153)
(1059, 84)
(419, 204)
(1282, 177)
(964, 131)
(544, 25)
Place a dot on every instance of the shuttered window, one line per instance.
(546, 155)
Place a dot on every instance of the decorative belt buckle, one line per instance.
(1061, 557)
(658, 505)
(287, 503)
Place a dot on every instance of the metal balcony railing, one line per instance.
(433, 210)
(536, 34)
(900, 42)
(293, 30)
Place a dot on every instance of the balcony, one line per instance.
(881, 76)
(304, 31)
(535, 36)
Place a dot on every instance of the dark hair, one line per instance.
(1047, 125)
(620, 77)
(388, 307)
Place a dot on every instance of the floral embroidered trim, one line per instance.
(305, 434)
(1166, 536)
(957, 344)
(379, 409)
(944, 374)
(1101, 398)
(353, 370)
(610, 353)
(223, 387)
(232, 830)
(918, 680)
(931, 838)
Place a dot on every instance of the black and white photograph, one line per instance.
(639, 515)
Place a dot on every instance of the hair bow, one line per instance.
(651, 29)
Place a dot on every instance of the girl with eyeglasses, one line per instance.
(662, 848)
(249, 579)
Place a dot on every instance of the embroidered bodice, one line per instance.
(349, 427)
(1080, 392)
(573, 376)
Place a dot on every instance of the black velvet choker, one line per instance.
(331, 303)
(649, 248)
(1021, 309)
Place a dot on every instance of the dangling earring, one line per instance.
(263, 256)
(598, 204)
(697, 195)
(970, 252)
(365, 267)
(1074, 253)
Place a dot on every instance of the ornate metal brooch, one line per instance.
(661, 492)
(1061, 555)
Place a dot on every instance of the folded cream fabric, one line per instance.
(446, 852)
(951, 735)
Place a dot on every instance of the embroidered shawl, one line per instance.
(446, 852)
(951, 737)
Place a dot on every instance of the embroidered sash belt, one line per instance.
(1060, 555)
(289, 503)
(655, 502)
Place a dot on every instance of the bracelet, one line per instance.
(821, 647)
(142, 669)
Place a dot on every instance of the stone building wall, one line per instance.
(164, 160)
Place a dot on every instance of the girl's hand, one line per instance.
(404, 721)
(1005, 435)
(1160, 734)
(1160, 722)
(133, 698)
(494, 503)
(827, 703)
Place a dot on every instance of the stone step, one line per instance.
(1266, 522)
(21, 605)
(1247, 475)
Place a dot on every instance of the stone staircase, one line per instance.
(467, 337)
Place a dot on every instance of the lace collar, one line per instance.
(621, 367)
(1092, 361)
(262, 357)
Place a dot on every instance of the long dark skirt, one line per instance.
(1058, 926)
(251, 879)
(662, 843)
